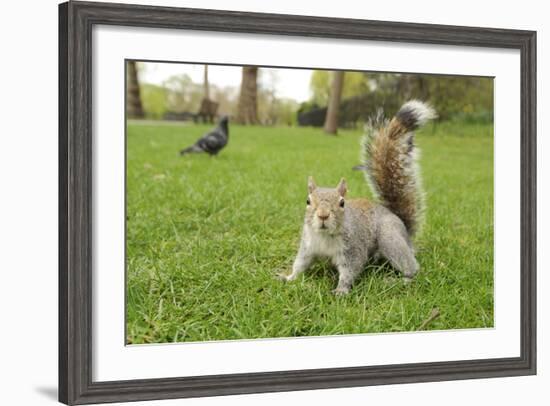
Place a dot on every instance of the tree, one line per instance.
(355, 84)
(331, 120)
(154, 99)
(134, 106)
(209, 108)
(182, 95)
(319, 86)
(206, 84)
(248, 99)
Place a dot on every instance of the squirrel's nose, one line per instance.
(323, 216)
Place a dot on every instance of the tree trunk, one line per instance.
(422, 89)
(331, 120)
(206, 84)
(248, 99)
(134, 106)
(406, 86)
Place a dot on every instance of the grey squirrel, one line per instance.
(350, 232)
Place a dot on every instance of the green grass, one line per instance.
(206, 236)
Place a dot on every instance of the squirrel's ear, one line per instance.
(342, 187)
(311, 186)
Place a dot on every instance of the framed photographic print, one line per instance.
(244, 207)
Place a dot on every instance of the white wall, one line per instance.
(28, 202)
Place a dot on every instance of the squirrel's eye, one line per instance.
(342, 203)
(308, 202)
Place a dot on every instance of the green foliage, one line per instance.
(285, 111)
(306, 106)
(206, 236)
(226, 98)
(319, 86)
(458, 95)
(154, 101)
(463, 97)
(275, 111)
(451, 96)
(182, 94)
(355, 83)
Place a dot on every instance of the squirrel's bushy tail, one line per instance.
(390, 161)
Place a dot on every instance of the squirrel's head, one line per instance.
(325, 207)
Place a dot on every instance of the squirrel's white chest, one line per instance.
(324, 245)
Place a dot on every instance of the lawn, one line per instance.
(207, 235)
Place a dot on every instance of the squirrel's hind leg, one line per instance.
(399, 252)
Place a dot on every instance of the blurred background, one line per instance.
(295, 97)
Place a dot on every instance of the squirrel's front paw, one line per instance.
(341, 291)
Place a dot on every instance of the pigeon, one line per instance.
(211, 142)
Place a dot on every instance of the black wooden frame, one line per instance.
(76, 20)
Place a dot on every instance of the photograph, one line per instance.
(273, 202)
